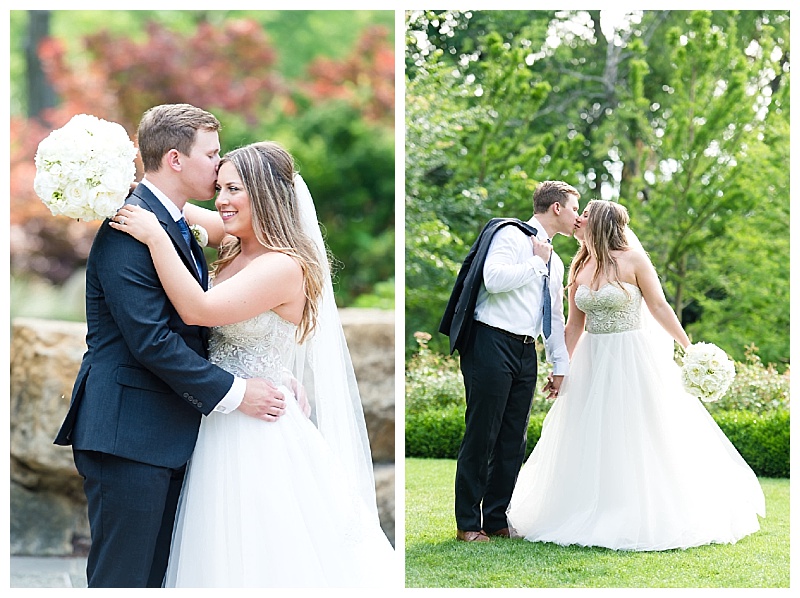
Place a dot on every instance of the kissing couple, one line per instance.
(216, 419)
(627, 458)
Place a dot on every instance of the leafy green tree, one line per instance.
(682, 116)
(348, 164)
(471, 154)
(743, 298)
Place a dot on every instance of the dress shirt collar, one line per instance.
(171, 207)
(541, 232)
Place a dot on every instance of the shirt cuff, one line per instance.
(538, 265)
(233, 398)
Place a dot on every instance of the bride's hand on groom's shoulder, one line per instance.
(138, 223)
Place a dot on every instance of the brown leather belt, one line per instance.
(524, 338)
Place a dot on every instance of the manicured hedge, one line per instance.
(762, 439)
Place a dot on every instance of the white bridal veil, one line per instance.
(326, 371)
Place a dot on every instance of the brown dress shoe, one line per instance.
(506, 532)
(471, 536)
(502, 533)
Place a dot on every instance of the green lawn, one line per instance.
(434, 559)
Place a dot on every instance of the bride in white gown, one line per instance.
(287, 503)
(627, 459)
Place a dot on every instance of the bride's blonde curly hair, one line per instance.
(604, 233)
(267, 173)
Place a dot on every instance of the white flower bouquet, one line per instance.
(84, 170)
(707, 372)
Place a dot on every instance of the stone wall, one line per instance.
(48, 509)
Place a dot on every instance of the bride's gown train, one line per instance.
(264, 504)
(627, 459)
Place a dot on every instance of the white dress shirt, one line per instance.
(233, 398)
(510, 296)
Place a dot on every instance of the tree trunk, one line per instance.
(40, 93)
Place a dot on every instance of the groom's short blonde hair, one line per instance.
(171, 126)
(550, 192)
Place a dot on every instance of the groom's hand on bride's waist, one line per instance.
(262, 400)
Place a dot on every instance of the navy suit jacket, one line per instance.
(144, 381)
(458, 315)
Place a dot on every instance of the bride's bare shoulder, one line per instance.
(631, 256)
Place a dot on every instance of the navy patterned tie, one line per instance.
(546, 319)
(187, 236)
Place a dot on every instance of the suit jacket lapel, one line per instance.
(155, 206)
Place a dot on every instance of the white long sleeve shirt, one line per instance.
(510, 296)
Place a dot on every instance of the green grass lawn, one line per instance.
(435, 559)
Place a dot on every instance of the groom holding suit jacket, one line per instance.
(509, 290)
(144, 382)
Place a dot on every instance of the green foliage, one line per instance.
(381, 297)
(321, 83)
(34, 297)
(433, 381)
(348, 164)
(300, 36)
(761, 438)
(755, 388)
(435, 405)
(435, 433)
(746, 294)
(471, 154)
(682, 116)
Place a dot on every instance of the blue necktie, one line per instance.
(187, 236)
(546, 319)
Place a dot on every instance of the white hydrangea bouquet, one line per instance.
(84, 170)
(707, 372)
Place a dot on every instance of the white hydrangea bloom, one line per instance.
(84, 169)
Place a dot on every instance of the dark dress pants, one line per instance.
(500, 378)
(131, 513)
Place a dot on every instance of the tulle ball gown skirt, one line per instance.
(265, 504)
(627, 460)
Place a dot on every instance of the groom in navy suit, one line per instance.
(144, 382)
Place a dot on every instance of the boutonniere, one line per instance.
(200, 234)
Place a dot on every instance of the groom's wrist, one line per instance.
(233, 398)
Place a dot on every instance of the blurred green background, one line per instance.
(321, 83)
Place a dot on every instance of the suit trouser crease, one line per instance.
(131, 509)
(499, 378)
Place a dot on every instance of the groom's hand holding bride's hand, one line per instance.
(553, 386)
(262, 400)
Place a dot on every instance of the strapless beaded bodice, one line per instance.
(261, 347)
(610, 308)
